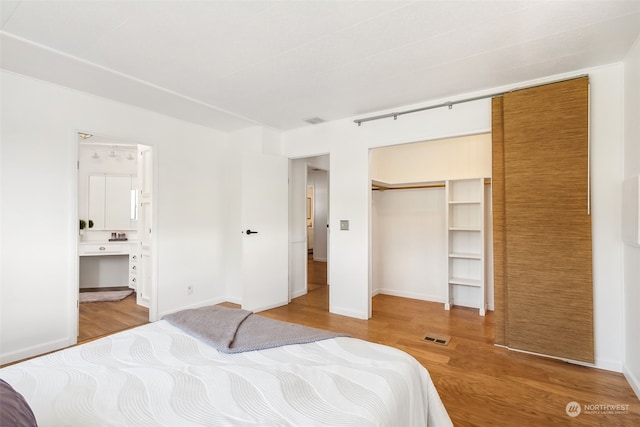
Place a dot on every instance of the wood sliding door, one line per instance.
(544, 290)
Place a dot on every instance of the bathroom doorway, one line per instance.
(114, 240)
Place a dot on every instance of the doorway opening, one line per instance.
(430, 225)
(114, 241)
(310, 240)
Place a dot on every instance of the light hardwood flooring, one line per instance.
(480, 384)
(316, 274)
(98, 319)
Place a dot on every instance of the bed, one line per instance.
(164, 374)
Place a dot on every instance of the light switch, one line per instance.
(344, 224)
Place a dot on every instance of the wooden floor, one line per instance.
(480, 384)
(316, 274)
(98, 319)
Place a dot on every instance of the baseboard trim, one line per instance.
(349, 313)
(233, 300)
(298, 294)
(411, 295)
(36, 350)
(634, 382)
(608, 365)
(268, 307)
(599, 364)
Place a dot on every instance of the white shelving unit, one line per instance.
(465, 244)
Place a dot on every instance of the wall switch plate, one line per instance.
(344, 224)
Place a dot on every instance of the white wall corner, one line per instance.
(233, 300)
(634, 381)
(272, 141)
(298, 293)
(608, 364)
(631, 267)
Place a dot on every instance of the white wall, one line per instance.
(606, 175)
(632, 254)
(431, 161)
(38, 238)
(349, 144)
(103, 271)
(408, 243)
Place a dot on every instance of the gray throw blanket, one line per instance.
(232, 330)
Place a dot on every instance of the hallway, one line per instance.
(317, 288)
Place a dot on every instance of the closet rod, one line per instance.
(406, 187)
(487, 181)
(450, 104)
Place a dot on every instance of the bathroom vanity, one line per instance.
(120, 258)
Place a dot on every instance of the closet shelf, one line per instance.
(465, 244)
(465, 282)
(465, 255)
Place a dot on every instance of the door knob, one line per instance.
(251, 232)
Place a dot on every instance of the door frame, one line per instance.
(296, 258)
(74, 285)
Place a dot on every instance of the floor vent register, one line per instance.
(437, 339)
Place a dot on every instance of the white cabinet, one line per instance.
(100, 268)
(133, 269)
(96, 249)
(465, 244)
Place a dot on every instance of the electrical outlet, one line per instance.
(189, 289)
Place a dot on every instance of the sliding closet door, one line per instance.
(497, 194)
(547, 223)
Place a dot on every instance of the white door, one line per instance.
(145, 230)
(265, 231)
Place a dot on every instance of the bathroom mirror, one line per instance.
(112, 202)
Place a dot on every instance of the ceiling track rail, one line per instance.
(450, 104)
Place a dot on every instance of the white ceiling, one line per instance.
(231, 64)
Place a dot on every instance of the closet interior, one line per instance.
(431, 227)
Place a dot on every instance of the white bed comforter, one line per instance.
(156, 375)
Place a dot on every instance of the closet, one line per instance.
(541, 220)
(429, 221)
